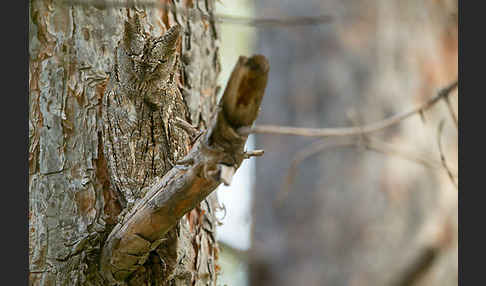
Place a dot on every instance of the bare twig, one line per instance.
(253, 153)
(221, 18)
(387, 148)
(350, 131)
(368, 143)
(211, 161)
(442, 156)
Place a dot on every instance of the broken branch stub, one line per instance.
(244, 92)
(213, 159)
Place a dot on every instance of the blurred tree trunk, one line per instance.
(355, 217)
(72, 207)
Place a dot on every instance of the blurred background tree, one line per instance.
(383, 209)
(355, 217)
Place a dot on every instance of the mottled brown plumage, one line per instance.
(140, 104)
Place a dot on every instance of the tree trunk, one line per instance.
(73, 202)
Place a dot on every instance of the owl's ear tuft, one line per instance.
(133, 36)
(171, 36)
(165, 46)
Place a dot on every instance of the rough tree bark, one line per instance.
(75, 197)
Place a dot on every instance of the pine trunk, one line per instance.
(73, 203)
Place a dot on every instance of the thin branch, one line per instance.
(366, 142)
(442, 156)
(388, 149)
(253, 153)
(211, 161)
(221, 18)
(350, 131)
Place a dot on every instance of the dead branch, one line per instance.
(213, 160)
(351, 131)
(253, 153)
